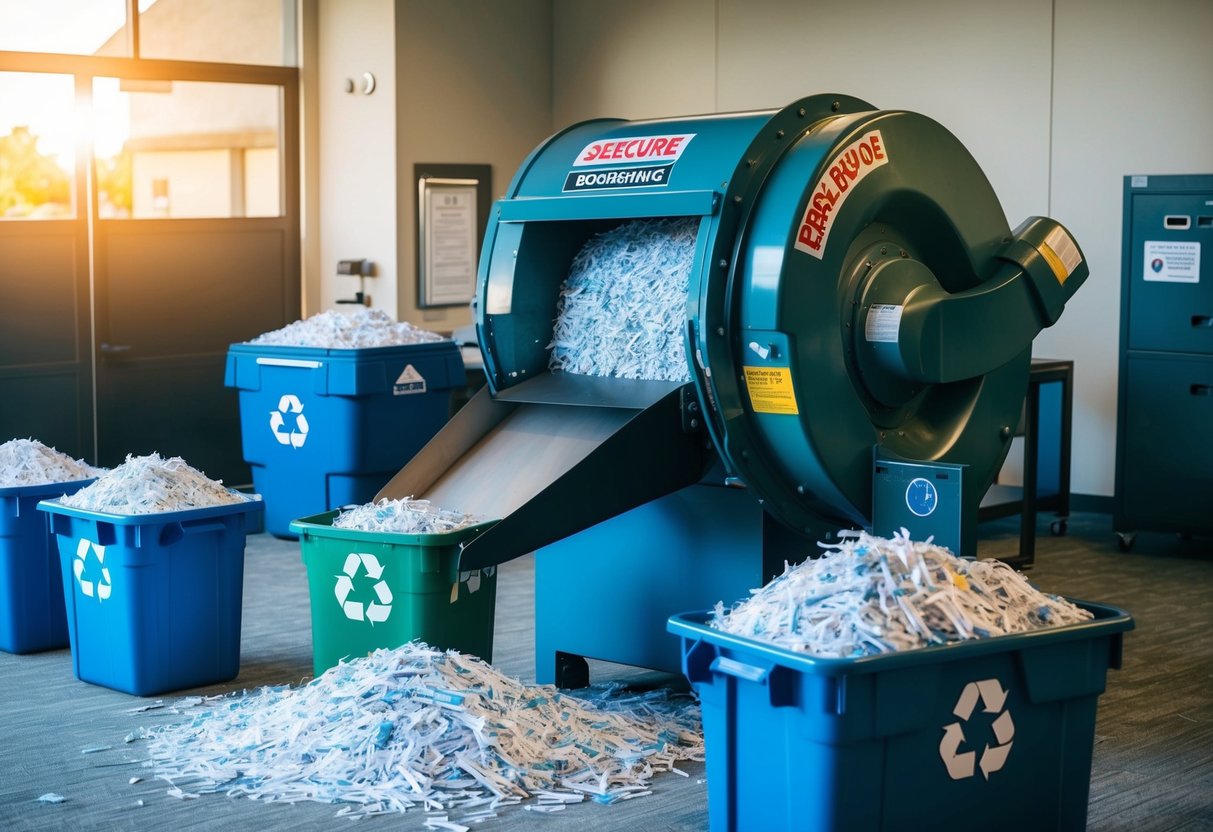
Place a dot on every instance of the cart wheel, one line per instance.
(1125, 540)
(572, 671)
(1059, 528)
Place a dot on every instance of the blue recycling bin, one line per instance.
(153, 601)
(323, 428)
(31, 588)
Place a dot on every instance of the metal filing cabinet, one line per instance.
(1164, 441)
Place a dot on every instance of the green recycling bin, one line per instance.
(372, 590)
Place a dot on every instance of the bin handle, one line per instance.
(740, 670)
(779, 681)
(289, 362)
(202, 526)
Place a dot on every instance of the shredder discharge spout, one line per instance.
(946, 337)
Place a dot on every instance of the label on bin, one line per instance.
(771, 390)
(408, 382)
(848, 169)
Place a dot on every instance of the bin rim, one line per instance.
(42, 489)
(1108, 620)
(321, 526)
(292, 351)
(255, 504)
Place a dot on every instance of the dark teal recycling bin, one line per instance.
(324, 428)
(991, 734)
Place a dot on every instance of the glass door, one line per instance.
(149, 217)
(46, 354)
(192, 252)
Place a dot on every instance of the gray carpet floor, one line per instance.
(1152, 767)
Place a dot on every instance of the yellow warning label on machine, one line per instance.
(771, 390)
(1060, 252)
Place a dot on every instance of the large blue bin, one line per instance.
(31, 588)
(153, 600)
(323, 428)
(995, 734)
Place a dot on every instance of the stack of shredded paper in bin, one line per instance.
(419, 727)
(28, 462)
(622, 308)
(149, 484)
(407, 516)
(356, 330)
(868, 595)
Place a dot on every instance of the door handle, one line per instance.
(1201, 390)
(115, 348)
(1202, 321)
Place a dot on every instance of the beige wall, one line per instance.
(633, 59)
(465, 82)
(1056, 100)
(474, 86)
(355, 141)
(1132, 94)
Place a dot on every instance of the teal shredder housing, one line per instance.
(323, 428)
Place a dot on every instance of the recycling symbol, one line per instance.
(101, 589)
(289, 404)
(356, 610)
(963, 764)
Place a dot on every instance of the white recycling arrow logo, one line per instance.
(964, 764)
(356, 610)
(100, 589)
(289, 405)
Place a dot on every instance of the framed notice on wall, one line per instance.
(452, 211)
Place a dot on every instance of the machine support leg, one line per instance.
(572, 671)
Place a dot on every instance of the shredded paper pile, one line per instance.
(28, 462)
(622, 308)
(870, 595)
(407, 516)
(148, 484)
(357, 330)
(419, 727)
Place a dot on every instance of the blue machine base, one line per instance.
(607, 592)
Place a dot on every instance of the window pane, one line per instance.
(37, 146)
(223, 31)
(73, 27)
(187, 149)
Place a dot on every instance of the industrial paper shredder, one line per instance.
(858, 331)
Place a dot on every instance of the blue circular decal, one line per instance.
(921, 497)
